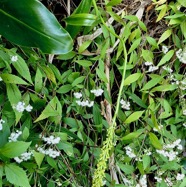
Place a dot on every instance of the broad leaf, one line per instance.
(16, 175)
(9, 78)
(154, 141)
(14, 149)
(52, 109)
(29, 23)
(81, 19)
(134, 116)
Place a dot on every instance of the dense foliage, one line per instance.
(111, 112)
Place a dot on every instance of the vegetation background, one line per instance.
(93, 93)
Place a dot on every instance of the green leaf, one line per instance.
(134, 116)
(84, 7)
(133, 135)
(101, 75)
(35, 27)
(67, 148)
(38, 81)
(78, 81)
(38, 158)
(162, 12)
(137, 100)
(182, 2)
(64, 89)
(84, 46)
(164, 88)
(132, 78)
(154, 141)
(152, 83)
(127, 169)
(183, 28)
(49, 73)
(164, 36)
(146, 161)
(152, 41)
(135, 45)
(166, 57)
(9, 78)
(50, 110)
(14, 149)
(14, 96)
(22, 68)
(82, 19)
(84, 63)
(16, 175)
(97, 117)
(114, 2)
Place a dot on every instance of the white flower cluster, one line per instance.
(14, 136)
(20, 107)
(158, 179)
(50, 152)
(184, 112)
(168, 150)
(51, 140)
(97, 92)
(179, 177)
(1, 124)
(168, 69)
(151, 66)
(142, 181)
(85, 103)
(23, 157)
(77, 95)
(130, 152)
(165, 49)
(147, 152)
(14, 58)
(181, 55)
(88, 103)
(125, 104)
(168, 181)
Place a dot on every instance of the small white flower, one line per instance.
(18, 160)
(85, 103)
(167, 69)
(29, 108)
(14, 58)
(1, 79)
(148, 63)
(1, 124)
(180, 147)
(168, 181)
(159, 179)
(130, 152)
(125, 104)
(14, 136)
(184, 112)
(181, 56)
(184, 124)
(179, 177)
(97, 92)
(165, 49)
(20, 107)
(51, 140)
(77, 95)
(152, 68)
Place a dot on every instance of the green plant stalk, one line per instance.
(108, 144)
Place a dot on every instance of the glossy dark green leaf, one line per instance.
(81, 19)
(29, 23)
(84, 7)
